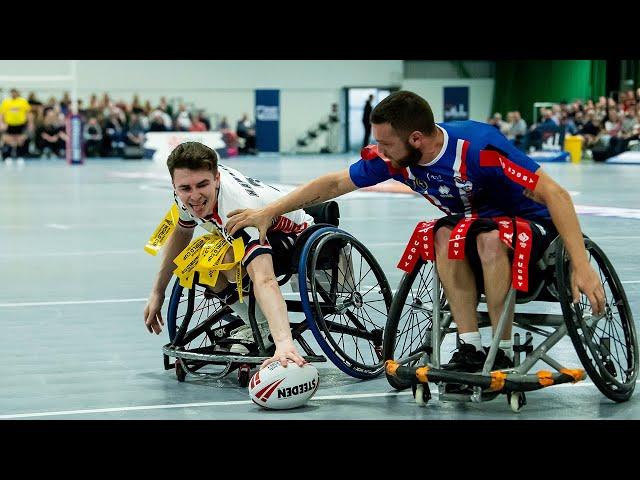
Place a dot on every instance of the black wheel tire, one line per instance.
(366, 363)
(391, 340)
(590, 352)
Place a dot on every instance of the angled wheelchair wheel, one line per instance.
(346, 298)
(408, 329)
(607, 346)
(195, 320)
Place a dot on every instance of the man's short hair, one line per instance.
(194, 156)
(406, 112)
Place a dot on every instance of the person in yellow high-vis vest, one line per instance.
(14, 112)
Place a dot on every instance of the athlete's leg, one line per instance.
(496, 270)
(458, 282)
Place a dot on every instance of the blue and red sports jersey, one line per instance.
(478, 173)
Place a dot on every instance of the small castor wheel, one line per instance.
(421, 393)
(244, 374)
(180, 372)
(516, 400)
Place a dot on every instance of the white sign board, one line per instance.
(164, 142)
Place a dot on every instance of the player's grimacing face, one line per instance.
(196, 189)
(394, 148)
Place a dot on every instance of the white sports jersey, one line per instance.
(238, 191)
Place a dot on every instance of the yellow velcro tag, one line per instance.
(192, 251)
(163, 231)
(205, 256)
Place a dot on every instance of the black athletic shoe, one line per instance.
(502, 360)
(466, 359)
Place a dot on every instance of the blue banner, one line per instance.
(456, 103)
(268, 120)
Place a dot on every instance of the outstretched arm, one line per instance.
(272, 304)
(324, 188)
(584, 278)
(177, 242)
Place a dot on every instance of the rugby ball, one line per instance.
(276, 387)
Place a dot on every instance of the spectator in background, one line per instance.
(517, 129)
(92, 135)
(148, 108)
(14, 112)
(590, 130)
(567, 125)
(246, 131)
(36, 107)
(166, 107)
(183, 119)
(502, 126)
(135, 132)
(136, 106)
(204, 119)
(366, 120)
(65, 104)
(157, 123)
(543, 132)
(166, 119)
(224, 124)
(51, 137)
(114, 133)
(197, 125)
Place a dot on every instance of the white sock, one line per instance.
(472, 338)
(507, 348)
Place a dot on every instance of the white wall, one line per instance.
(480, 95)
(223, 87)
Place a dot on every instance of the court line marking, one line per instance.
(70, 254)
(73, 302)
(229, 403)
(187, 405)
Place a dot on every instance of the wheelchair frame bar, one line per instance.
(224, 357)
(435, 329)
(509, 305)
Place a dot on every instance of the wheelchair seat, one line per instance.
(327, 212)
(324, 215)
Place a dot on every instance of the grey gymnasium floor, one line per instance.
(74, 279)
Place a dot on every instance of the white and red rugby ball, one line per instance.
(279, 388)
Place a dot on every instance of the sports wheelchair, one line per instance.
(343, 294)
(606, 345)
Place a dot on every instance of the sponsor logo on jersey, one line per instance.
(465, 185)
(444, 191)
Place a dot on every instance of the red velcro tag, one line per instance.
(520, 268)
(505, 230)
(420, 246)
(458, 238)
(513, 171)
(369, 152)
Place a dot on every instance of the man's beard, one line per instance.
(412, 158)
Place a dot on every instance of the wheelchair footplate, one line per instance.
(477, 387)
